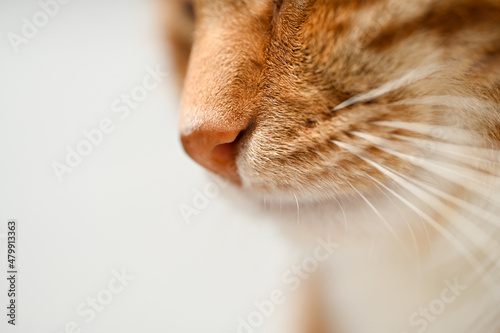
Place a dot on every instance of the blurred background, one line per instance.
(113, 234)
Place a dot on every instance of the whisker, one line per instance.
(414, 238)
(343, 212)
(469, 103)
(486, 166)
(298, 208)
(477, 211)
(376, 211)
(475, 263)
(453, 173)
(485, 155)
(476, 234)
(412, 76)
(445, 133)
(408, 225)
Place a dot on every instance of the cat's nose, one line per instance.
(215, 150)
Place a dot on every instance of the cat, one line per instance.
(374, 122)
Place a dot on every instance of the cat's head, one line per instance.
(315, 98)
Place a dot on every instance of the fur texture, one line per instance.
(380, 122)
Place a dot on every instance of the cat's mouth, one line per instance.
(337, 156)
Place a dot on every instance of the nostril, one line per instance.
(215, 150)
(227, 151)
(224, 152)
(224, 160)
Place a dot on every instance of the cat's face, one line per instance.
(265, 91)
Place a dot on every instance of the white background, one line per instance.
(119, 209)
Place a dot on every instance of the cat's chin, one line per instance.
(307, 201)
(289, 196)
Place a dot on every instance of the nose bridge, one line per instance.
(219, 83)
(218, 91)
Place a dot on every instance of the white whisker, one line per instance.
(442, 148)
(477, 211)
(468, 103)
(446, 133)
(376, 211)
(481, 238)
(343, 212)
(479, 155)
(479, 182)
(410, 229)
(298, 208)
(475, 263)
(412, 76)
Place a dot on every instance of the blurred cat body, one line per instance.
(376, 122)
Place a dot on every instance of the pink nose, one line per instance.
(214, 150)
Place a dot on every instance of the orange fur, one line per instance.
(313, 86)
